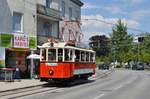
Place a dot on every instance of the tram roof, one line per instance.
(63, 45)
(76, 48)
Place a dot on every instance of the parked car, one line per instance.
(147, 66)
(103, 66)
(138, 66)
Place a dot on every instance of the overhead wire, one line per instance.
(112, 24)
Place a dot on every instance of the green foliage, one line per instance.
(120, 47)
(101, 44)
(121, 42)
(144, 50)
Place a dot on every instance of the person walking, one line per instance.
(17, 74)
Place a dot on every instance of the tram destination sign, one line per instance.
(52, 64)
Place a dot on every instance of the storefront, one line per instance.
(2, 57)
(16, 47)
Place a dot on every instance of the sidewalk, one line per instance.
(24, 83)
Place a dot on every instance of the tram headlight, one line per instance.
(51, 72)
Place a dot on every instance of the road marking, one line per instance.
(118, 87)
(99, 96)
(125, 84)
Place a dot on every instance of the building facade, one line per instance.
(70, 24)
(17, 32)
(58, 19)
(26, 24)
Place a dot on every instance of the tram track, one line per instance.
(100, 75)
(50, 87)
(25, 92)
(36, 90)
(18, 93)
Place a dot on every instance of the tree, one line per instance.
(121, 42)
(144, 54)
(101, 44)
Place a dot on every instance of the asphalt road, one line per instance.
(120, 84)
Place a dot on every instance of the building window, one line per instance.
(47, 29)
(70, 13)
(17, 22)
(48, 3)
(63, 8)
(77, 15)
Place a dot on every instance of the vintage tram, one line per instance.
(62, 61)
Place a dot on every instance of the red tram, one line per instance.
(63, 62)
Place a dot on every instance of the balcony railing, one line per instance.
(41, 39)
(41, 9)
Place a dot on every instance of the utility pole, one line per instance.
(114, 56)
(32, 66)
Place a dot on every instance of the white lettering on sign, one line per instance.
(52, 64)
(21, 41)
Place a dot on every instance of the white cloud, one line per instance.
(89, 6)
(101, 22)
(131, 23)
(136, 1)
(140, 14)
(93, 27)
(94, 23)
(133, 2)
(115, 9)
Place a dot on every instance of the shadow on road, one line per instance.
(67, 84)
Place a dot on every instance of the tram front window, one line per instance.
(43, 54)
(52, 55)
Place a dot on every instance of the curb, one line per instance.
(22, 88)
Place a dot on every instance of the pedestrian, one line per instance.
(17, 74)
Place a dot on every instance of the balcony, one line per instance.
(41, 39)
(49, 12)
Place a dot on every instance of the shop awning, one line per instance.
(34, 56)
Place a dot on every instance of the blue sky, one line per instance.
(134, 13)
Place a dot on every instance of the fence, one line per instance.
(6, 74)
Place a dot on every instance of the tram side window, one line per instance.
(77, 55)
(82, 56)
(52, 55)
(91, 57)
(71, 55)
(43, 54)
(87, 56)
(66, 54)
(60, 55)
